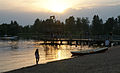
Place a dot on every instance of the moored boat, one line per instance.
(91, 51)
(9, 38)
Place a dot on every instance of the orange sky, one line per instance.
(26, 11)
(58, 6)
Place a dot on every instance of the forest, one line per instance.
(72, 25)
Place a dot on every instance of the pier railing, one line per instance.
(100, 37)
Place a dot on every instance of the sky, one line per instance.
(26, 11)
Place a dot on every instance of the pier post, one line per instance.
(61, 42)
(76, 42)
(45, 41)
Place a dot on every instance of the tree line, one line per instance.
(72, 25)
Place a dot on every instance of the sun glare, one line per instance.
(57, 6)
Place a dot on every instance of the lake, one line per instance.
(20, 53)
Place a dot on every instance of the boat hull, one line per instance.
(90, 52)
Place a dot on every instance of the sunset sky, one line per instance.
(26, 11)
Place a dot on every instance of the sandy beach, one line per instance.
(107, 62)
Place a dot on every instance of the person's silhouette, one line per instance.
(37, 56)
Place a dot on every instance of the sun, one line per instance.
(57, 6)
(54, 6)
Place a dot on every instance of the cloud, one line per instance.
(19, 5)
(39, 5)
(25, 11)
(96, 3)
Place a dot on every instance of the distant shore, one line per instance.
(107, 62)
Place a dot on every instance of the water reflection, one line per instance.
(13, 44)
(17, 54)
(55, 52)
(50, 52)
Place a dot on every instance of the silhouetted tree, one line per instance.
(10, 29)
(109, 25)
(70, 24)
(82, 25)
(118, 32)
(97, 25)
(85, 25)
(79, 26)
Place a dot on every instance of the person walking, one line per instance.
(37, 56)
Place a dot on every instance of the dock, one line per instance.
(76, 41)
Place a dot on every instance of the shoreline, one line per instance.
(107, 62)
(37, 65)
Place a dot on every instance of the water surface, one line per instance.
(18, 54)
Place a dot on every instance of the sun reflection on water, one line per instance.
(59, 55)
(17, 54)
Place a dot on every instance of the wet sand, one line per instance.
(107, 62)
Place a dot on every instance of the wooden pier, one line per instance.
(76, 41)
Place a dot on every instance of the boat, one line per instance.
(91, 51)
(9, 38)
